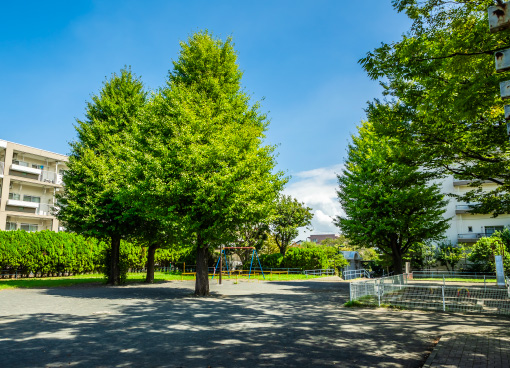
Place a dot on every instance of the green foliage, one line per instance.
(201, 163)
(388, 201)
(443, 95)
(421, 256)
(269, 260)
(308, 258)
(354, 304)
(47, 253)
(288, 217)
(483, 252)
(449, 255)
(92, 203)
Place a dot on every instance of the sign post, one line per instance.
(499, 20)
(500, 272)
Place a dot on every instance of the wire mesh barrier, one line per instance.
(452, 274)
(9, 274)
(288, 271)
(320, 272)
(399, 293)
(356, 274)
(367, 289)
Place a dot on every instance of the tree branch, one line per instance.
(488, 52)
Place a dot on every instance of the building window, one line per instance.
(14, 196)
(11, 226)
(489, 230)
(470, 229)
(29, 227)
(29, 198)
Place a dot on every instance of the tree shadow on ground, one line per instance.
(162, 326)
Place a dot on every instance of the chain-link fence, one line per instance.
(396, 291)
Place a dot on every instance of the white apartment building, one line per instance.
(464, 226)
(29, 180)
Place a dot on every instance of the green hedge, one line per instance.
(305, 258)
(47, 253)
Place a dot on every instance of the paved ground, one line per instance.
(471, 350)
(256, 324)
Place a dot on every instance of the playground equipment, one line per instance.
(253, 254)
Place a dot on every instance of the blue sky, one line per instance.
(300, 56)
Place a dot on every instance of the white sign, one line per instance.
(500, 272)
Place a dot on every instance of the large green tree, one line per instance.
(92, 202)
(388, 201)
(202, 163)
(289, 215)
(442, 94)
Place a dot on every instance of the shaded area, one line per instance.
(273, 324)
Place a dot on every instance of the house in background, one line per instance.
(320, 238)
(29, 179)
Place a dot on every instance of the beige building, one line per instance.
(29, 180)
(466, 227)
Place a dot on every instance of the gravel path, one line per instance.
(249, 324)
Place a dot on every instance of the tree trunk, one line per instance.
(114, 274)
(151, 253)
(202, 280)
(397, 260)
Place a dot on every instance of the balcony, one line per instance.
(464, 208)
(2, 166)
(470, 237)
(458, 183)
(26, 169)
(42, 176)
(45, 209)
(23, 204)
(41, 209)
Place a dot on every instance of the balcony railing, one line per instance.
(465, 207)
(45, 209)
(471, 236)
(43, 176)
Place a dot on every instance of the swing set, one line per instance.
(253, 254)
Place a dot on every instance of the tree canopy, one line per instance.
(388, 200)
(202, 161)
(288, 217)
(442, 94)
(92, 203)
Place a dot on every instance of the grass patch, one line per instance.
(51, 282)
(132, 277)
(354, 304)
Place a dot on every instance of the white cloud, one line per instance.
(317, 189)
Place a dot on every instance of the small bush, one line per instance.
(354, 304)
